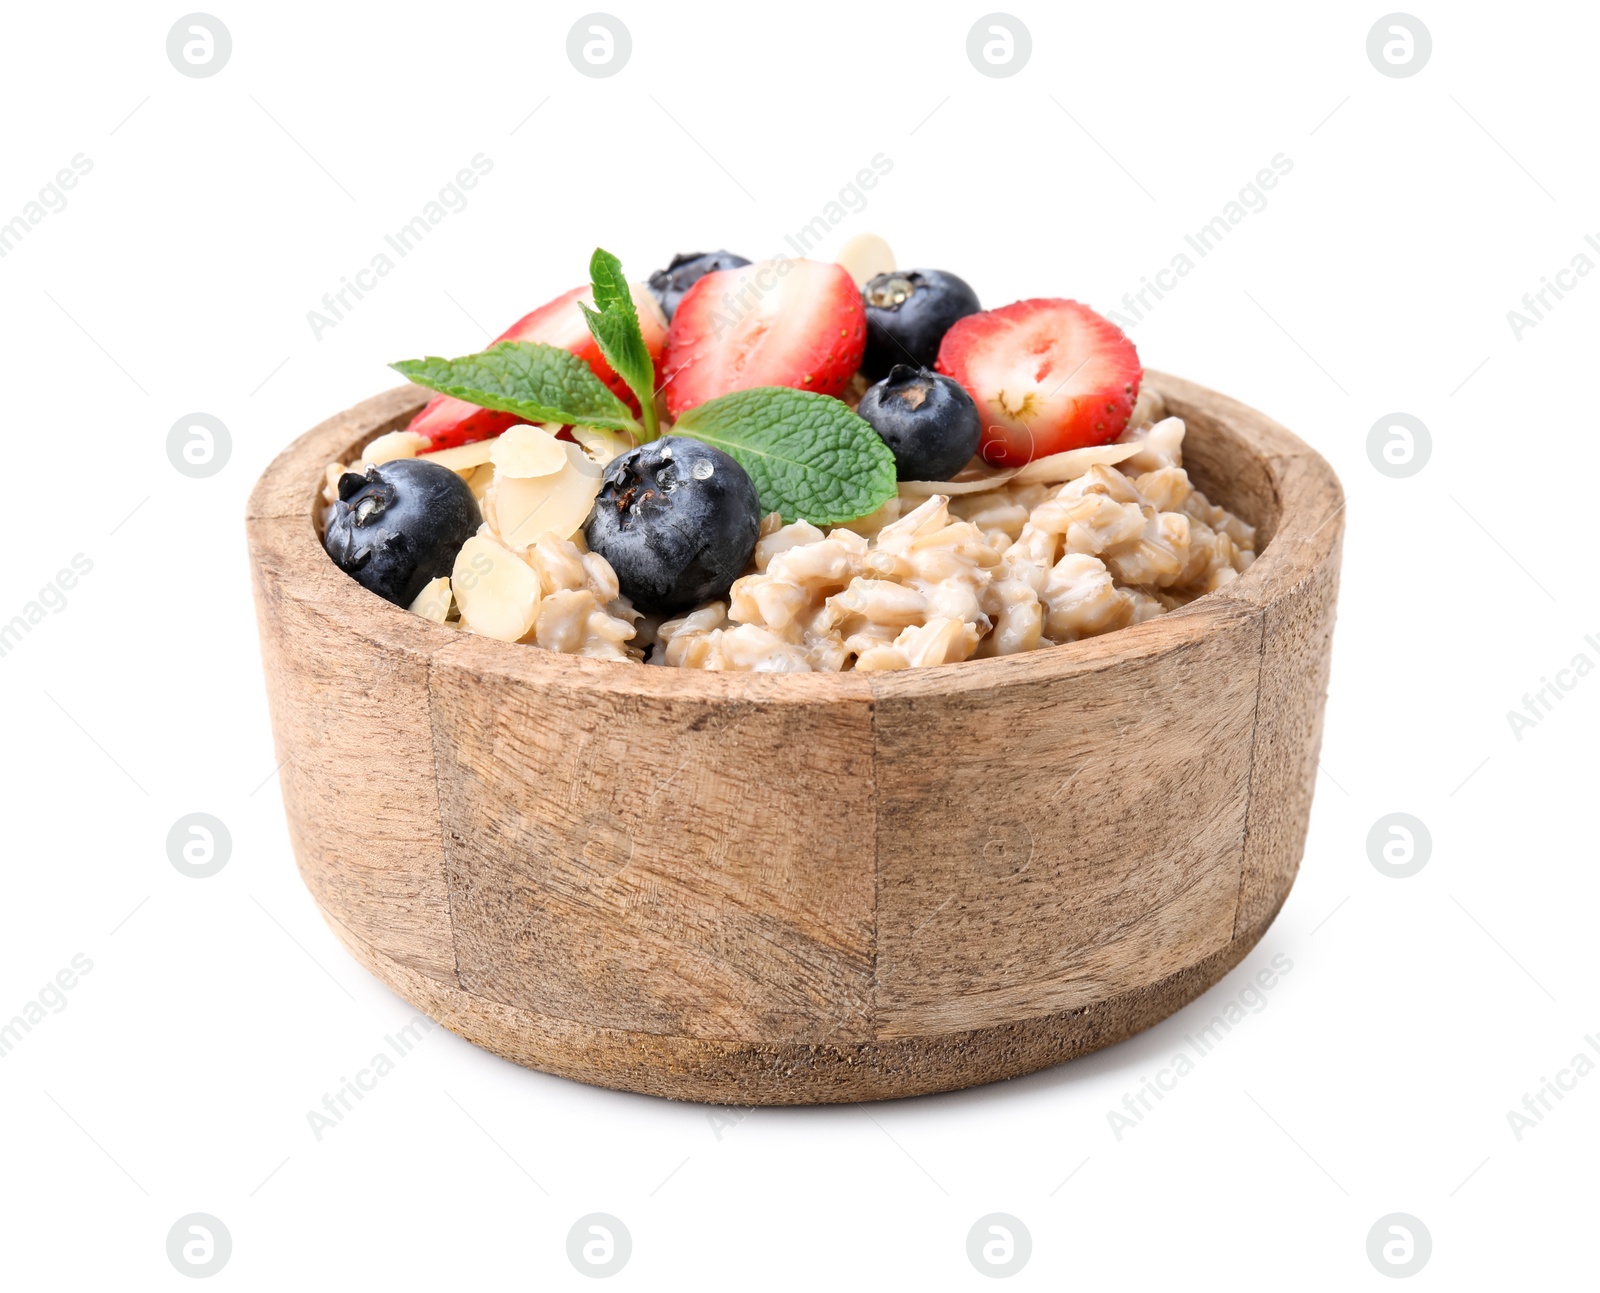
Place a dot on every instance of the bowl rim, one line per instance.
(1307, 507)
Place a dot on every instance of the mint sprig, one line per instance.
(535, 381)
(615, 326)
(810, 457)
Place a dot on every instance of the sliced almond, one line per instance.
(498, 591)
(602, 445)
(526, 451)
(865, 257)
(927, 488)
(463, 457)
(395, 444)
(433, 602)
(330, 482)
(1059, 468)
(523, 508)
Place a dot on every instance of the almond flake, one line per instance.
(395, 444)
(523, 508)
(865, 257)
(463, 457)
(498, 591)
(433, 602)
(602, 445)
(527, 451)
(1059, 468)
(950, 488)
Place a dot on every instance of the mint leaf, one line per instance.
(535, 381)
(615, 325)
(810, 457)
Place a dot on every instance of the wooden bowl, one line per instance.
(801, 889)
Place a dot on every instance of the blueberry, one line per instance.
(399, 526)
(908, 313)
(668, 285)
(677, 520)
(926, 418)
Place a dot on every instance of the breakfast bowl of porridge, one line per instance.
(792, 683)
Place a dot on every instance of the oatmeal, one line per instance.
(989, 569)
(989, 573)
(978, 482)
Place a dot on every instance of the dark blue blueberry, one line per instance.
(677, 520)
(926, 418)
(399, 526)
(668, 285)
(908, 313)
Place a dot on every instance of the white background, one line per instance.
(1418, 1012)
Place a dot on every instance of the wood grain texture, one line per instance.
(1052, 840)
(355, 749)
(815, 888)
(717, 1071)
(1296, 592)
(655, 878)
(1297, 599)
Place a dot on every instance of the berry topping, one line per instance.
(400, 526)
(796, 323)
(1048, 376)
(908, 313)
(677, 520)
(669, 285)
(928, 421)
(447, 421)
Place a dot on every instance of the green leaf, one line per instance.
(615, 325)
(535, 381)
(810, 457)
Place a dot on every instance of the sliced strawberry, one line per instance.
(447, 421)
(1048, 375)
(561, 323)
(793, 323)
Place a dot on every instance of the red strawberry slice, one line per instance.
(793, 323)
(447, 421)
(1048, 375)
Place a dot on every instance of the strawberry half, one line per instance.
(1048, 375)
(447, 421)
(793, 323)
